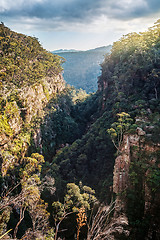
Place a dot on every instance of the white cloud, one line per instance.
(99, 24)
(104, 18)
(131, 4)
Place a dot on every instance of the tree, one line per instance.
(76, 198)
(81, 220)
(30, 194)
(40, 219)
(28, 198)
(119, 128)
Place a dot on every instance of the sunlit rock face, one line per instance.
(33, 100)
(133, 148)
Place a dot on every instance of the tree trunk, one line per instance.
(22, 211)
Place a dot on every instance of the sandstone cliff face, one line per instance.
(35, 98)
(21, 119)
(132, 153)
(121, 168)
(134, 212)
(124, 87)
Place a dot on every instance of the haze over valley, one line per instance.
(82, 68)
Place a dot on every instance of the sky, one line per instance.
(78, 24)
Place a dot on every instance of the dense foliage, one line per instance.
(132, 72)
(66, 117)
(23, 60)
(129, 83)
(55, 146)
(26, 70)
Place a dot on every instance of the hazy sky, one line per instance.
(78, 24)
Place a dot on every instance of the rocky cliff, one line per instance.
(130, 83)
(136, 198)
(134, 210)
(30, 80)
(30, 77)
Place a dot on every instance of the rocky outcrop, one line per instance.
(35, 98)
(25, 112)
(121, 168)
(136, 161)
(132, 150)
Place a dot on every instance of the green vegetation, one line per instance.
(66, 119)
(76, 198)
(24, 61)
(129, 83)
(131, 72)
(25, 68)
(55, 148)
(143, 175)
(119, 128)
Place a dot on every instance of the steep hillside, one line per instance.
(39, 114)
(66, 118)
(130, 84)
(82, 68)
(55, 140)
(29, 77)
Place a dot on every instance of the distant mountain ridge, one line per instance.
(103, 48)
(75, 50)
(82, 68)
(65, 50)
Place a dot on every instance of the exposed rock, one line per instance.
(36, 97)
(33, 98)
(121, 168)
(140, 132)
(118, 227)
(140, 120)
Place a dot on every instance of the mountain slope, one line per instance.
(129, 83)
(29, 77)
(82, 68)
(64, 50)
(40, 114)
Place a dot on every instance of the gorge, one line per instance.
(77, 165)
